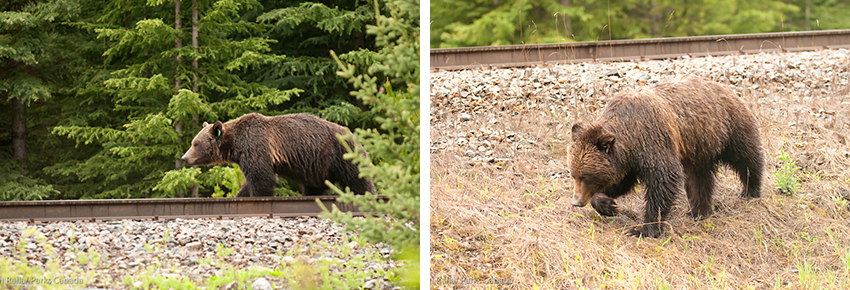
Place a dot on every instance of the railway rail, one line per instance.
(168, 208)
(634, 50)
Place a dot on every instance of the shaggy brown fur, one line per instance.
(300, 147)
(670, 136)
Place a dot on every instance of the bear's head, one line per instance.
(590, 161)
(207, 146)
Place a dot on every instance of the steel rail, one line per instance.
(634, 50)
(169, 208)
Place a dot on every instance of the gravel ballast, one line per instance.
(104, 253)
(578, 91)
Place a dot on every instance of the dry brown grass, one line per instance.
(514, 222)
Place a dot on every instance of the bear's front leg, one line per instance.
(662, 183)
(604, 203)
(260, 179)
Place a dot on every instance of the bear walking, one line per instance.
(670, 136)
(300, 147)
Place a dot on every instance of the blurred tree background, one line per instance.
(103, 97)
(504, 22)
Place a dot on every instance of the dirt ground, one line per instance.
(501, 216)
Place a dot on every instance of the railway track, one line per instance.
(168, 208)
(634, 50)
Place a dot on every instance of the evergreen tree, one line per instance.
(148, 90)
(153, 92)
(37, 65)
(395, 146)
(306, 33)
(818, 15)
(547, 21)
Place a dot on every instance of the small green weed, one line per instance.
(786, 176)
(221, 251)
(813, 176)
(807, 276)
(842, 203)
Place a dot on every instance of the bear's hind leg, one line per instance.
(749, 173)
(747, 162)
(313, 191)
(347, 175)
(700, 186)
(358, 185)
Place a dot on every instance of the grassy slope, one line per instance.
(515, 222)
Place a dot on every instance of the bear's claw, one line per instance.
(646, 231)
(604, 205)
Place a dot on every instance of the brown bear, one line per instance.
(300, 147)
(670, 136)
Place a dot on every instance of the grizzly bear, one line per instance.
(668, 137)
(300, 147)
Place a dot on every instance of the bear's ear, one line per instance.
(578, 128)
(217, 130)
(205, 125)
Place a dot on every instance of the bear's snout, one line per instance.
(580, 196)
(577, 202)
(186, 158)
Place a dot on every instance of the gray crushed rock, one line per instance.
(183, 247)
(494, 94)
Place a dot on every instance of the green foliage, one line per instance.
(156, 93)
(395, 145)
(19, 267)
(294, 270)
(136, 100)
(818, 15)
(786, 176)
(323, 27)
(397, 173)
(186, 105)
(229, 176)
(327, 272)
(328, 19)
(176, 181)
(38, 67)
(16, 186)
(112, 102)
(480, 22)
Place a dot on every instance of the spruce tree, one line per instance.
(306, 33)
(394, 100)
(154, 93)
(36, 70)
(152, 89)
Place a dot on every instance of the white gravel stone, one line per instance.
(261, 284)
(193, 245)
